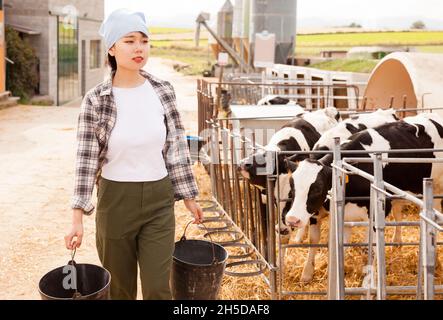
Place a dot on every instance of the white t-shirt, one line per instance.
(135, 145)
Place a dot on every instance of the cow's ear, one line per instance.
(290, 166)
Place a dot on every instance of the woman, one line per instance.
(131, 142)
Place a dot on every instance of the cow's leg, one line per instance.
(369, 271)
(314, 238)
(284, 239)
(282, 260)
(284, 233)
(347, 233)
(353, 212)
(300, 235)
(397, 208)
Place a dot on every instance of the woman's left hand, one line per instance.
(195, 209)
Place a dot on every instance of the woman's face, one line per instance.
(131, 51)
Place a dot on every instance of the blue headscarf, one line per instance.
(121, 22)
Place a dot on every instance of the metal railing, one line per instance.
(250, 222)
(253, 223)
(308, 94)
(379, 191)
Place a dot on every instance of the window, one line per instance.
(95, 53)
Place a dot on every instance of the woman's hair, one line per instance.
(112, 62)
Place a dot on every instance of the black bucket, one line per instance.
(197, 269)
(93, 283)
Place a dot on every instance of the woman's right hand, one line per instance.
(76, 231)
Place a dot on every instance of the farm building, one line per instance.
(67, 43)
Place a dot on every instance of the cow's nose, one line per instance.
(243, 169)
(283, 231)
(293, 222)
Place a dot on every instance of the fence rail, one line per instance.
(253, 221)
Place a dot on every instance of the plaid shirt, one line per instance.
(97, 119)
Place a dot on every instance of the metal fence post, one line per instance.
(270, 186)
(336, 286)
(429, 243)
(379, 214)
(420, 272)
(225, 167)
(369, 267)
(214, 160)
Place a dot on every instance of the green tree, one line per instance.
(354, 25)
(21, 77)
(418, 25)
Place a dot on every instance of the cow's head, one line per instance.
(311, 183)
(256, 166)
(272, 100)
(284, 195)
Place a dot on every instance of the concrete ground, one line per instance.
(37, 153)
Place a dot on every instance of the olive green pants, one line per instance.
(135, 223)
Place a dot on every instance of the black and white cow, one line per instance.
(343, 130)
(300, 134)
(275, 100)
(312, 179)
(353, 125)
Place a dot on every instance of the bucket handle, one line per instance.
(73, 251)
(183, 238)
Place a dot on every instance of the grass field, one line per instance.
(364, 66)
(185, 43)
(306, 45)
(371, 39)
(305, 51)
(185, 52)
(313, 44)
(163, 30)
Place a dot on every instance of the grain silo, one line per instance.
(245, 29)
(278, 17)
(240, 28)
(237, 26)
(225, 22)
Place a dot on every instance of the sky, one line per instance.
(311, 13)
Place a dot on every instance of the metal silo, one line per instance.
(237, 26)
(278, 17)
(240, 30)
(246, 18)
(224, 21)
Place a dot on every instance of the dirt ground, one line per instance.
(37, 152)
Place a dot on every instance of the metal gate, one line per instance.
(67, 60)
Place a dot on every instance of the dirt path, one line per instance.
(37, 152)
